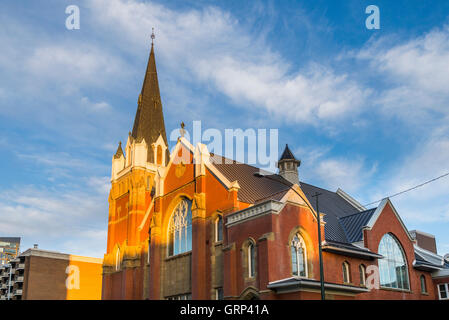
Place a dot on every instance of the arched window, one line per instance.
(362, 271)
(117, 260)
(423, 284)
(393, 267)
(251, 260)
(346, 272)
(299, 256)
(180, 229)
(219, 228)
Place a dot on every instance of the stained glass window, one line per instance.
(180, 229)
(299, 257)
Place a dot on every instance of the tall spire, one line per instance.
(149, 121)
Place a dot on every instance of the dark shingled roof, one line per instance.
(343, 221)
(353, 223)
(149, 121)
(252, 189)
(287, 154)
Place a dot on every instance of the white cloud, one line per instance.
(415, 72)
(55, 217)
(211, 45)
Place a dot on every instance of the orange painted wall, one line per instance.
(90, 279)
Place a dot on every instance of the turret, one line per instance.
(288, 166)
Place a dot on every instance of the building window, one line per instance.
(443, 291)
(180, 229)
(187, 296)
(423, 284)
(251, 260)
(362, 271)
(393, 267)
(117, 260)
(299, 256)
(219, 294)
(219, 228)
(346, 272)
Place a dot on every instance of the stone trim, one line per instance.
(268, 207)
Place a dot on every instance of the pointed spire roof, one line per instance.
(287, 154)
(149, 120)
(119, 152)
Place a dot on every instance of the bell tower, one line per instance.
(288, 166)
(134, 179)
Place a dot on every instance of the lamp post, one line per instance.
(259, 175)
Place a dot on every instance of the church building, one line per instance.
(187, 224)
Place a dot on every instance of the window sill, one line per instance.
(179, 255)
(218, 243)
(395, 289)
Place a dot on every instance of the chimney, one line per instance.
(35, 246)
(288, 166)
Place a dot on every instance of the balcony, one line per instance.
(19, 279)
(11, 283)
(21, 266)
(18, 292)
(3, 286)
(2, 297)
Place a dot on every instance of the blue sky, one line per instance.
(365, 110)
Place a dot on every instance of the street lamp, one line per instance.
(259, 175)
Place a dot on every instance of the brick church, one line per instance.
(189, 225)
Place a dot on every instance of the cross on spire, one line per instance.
(152, 36)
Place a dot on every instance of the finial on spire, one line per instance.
(152, 36)
(182, 130)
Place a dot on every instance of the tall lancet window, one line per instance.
(180, 229)
(299, 256)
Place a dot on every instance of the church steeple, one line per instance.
(149, 120)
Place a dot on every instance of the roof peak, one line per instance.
(287, 154)
(119, 151)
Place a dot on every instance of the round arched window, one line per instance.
(393, 267)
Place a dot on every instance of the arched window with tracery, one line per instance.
(393, 267)
(180, 228)
(299, 256)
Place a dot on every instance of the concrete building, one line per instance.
(193, 225)
(9, 248)
(48, 275)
